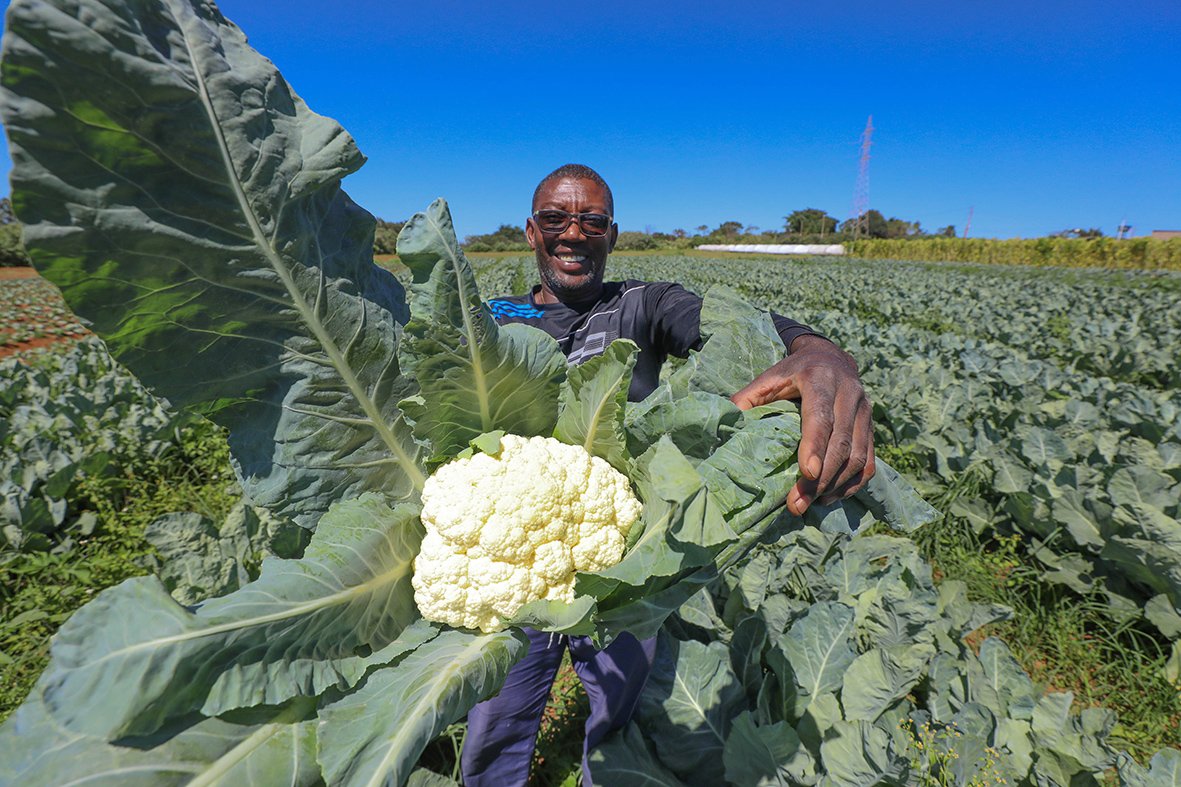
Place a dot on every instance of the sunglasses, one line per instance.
(553, 222)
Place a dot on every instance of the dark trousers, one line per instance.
(501, 731)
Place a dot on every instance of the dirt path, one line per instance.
(8, 274)
(36, 344)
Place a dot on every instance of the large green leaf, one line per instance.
(134, 658)
(696, 422)
(474, 375)
(374, 735)
(188, 204)
(750, 474)
(891, 499)
(1078, 741)
(643, 617)
(1006, 690)
(874, 682)
(742, 343)
(766, 756)
(1164, 770)
(680, 531)
(626, 760)
(858, 754)
(594, 400)
(687, 707)
(200, 559)
(819, 647)
(274, 746)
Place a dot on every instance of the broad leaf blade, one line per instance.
(227, 269)
(296, 630)
(270, 746)
(682, 529)
(475, 376)
(594, 398)
(687, 707)
(858, 754)
(819, 647)
(200, 560)
(766, 756)
(626, 760)
(742, 344)
(375, 735)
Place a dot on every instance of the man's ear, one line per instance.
(614, 237)
(531, 234)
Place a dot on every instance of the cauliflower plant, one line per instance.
(508, 529)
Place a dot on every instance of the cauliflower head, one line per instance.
(505, 530)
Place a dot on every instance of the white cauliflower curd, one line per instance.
(505, 530)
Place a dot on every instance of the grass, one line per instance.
(1065, 643)
(40, 590)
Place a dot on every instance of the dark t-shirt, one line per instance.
(661, 317)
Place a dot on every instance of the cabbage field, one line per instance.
(1057, 394)
(223, 537)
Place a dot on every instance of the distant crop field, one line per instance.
(1042, 405)
(32, 312)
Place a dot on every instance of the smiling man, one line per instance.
(572, 230)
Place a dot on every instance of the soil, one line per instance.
(35, 344)
(41, 341)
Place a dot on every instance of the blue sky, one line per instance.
(1038, 115)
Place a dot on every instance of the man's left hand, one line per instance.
(836, 447)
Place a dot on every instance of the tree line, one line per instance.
(807, 225)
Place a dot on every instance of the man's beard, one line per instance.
(587, 290)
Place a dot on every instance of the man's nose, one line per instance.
(573, 230)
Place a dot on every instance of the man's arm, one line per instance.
(836, 447)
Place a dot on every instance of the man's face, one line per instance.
(571, 263)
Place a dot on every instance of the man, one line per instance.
(571, 232)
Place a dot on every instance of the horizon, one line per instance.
(1037, 119)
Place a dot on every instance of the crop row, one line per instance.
(997, 377)
(32, 309)
(63, 417)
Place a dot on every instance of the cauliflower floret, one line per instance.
(505, 530)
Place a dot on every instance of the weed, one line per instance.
(933, 755)
(40, 590)
(1065, 642)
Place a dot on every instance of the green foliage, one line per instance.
(314, 378)
(794, 641)
(385, 236)
(933, 758)
(291, 237)
(830, 652)
(12, 249)
(73, 417)
(637, 241)
(810, 221)
(967, 361)
(506, 238)
(41, 589)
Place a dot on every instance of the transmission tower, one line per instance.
(968, 223)
(861, 191)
